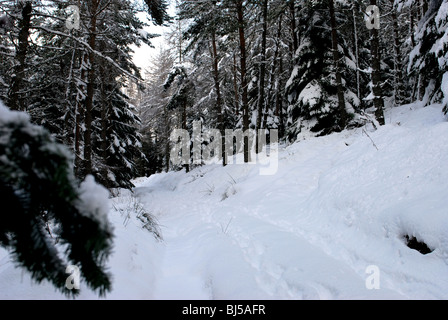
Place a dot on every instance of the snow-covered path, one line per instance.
(330, 224)
(335, 208)
(221, 247)
(314, 228)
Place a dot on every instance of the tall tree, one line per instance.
(342, 113)
(429, 57)
(15, 97)
(206, 23)
(239, 8)
(319, 91)
(378, 100)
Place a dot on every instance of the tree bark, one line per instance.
(355, 41)
(399, 90)
(243, 61)
(219, 111)
(235, 86)
(378, 101)
(262, 76)
(216, 80)
(295, 41)
(90, 90)
(335, 48)
(274, 81)
(15, 100)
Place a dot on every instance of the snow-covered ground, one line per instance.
(330, 224)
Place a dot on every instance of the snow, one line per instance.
(329, 224)
(444, 88)
(311, 94)
(9, 116)
(94, 201)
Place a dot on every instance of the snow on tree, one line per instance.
(318, 87)
(430, 55)
(49, 222)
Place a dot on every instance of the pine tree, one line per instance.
(157, 10)
(50, 222)
(15, 97)
(429, 57)
(116, 141)
(83, 99)
(182, 97)
(318, 88)
(377, 92)
(206, 25)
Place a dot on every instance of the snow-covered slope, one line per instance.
(330, 224)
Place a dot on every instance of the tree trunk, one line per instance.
(340, 90)
(355, 41)
(243, 61)
(274, 82)
(90, 90)
(214, 52)
(261, 83)
(184, 127)
(15, 100)
(378, 101)
(279, 101)
(399, 90)
(295, 41)
(104, 123)
(235, 86)
(220, 121)
(79, 112)
(166, 137)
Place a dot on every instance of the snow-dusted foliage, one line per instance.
(48, 222)
(430, 55)
(312, 88)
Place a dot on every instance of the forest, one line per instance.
(295, 66)
(284, 65)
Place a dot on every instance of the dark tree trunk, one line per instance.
(399, 90)
(274, 82)
(15, 100)
(295, 41)
(219, 111)
(378, 101)
(235, 86)
(261, 83)
(243, 61)
(336, 60)
(90, 90)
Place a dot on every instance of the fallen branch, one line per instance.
(364, 131)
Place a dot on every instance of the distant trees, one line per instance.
(316, 65)
(157, 120)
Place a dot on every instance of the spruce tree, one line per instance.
(317, 89)
(182, 97)
(49, 222)
(429, 57)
